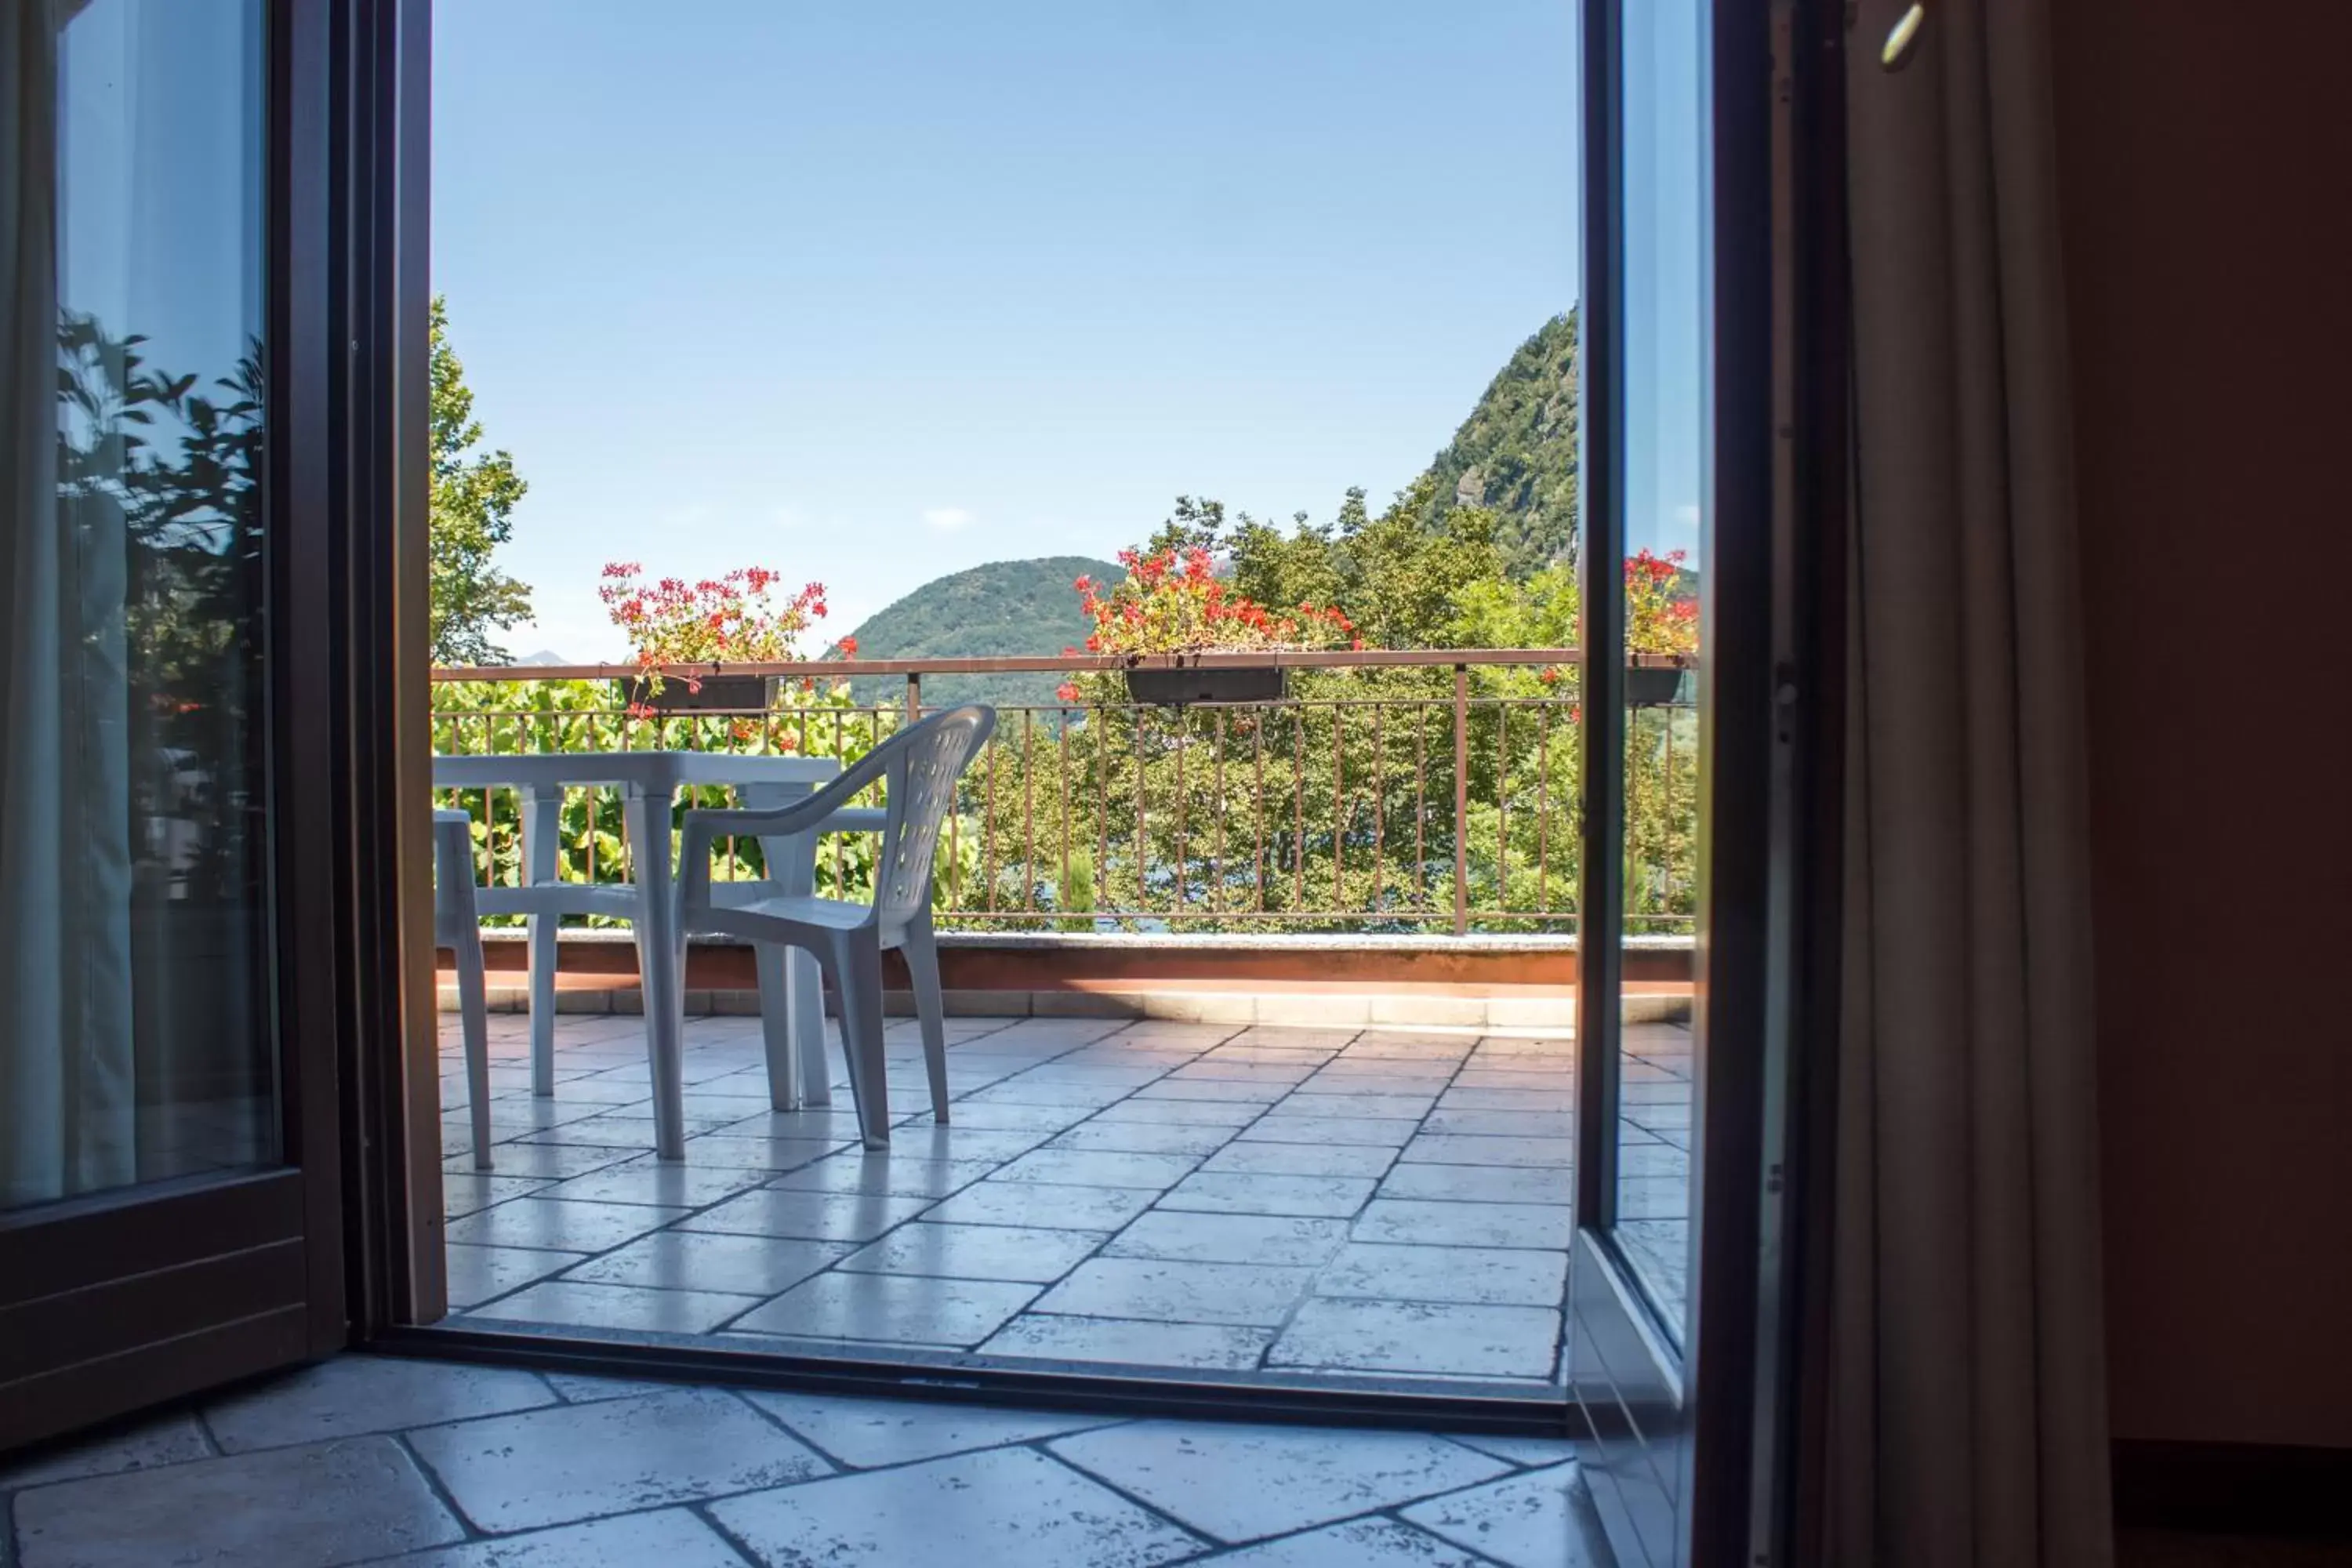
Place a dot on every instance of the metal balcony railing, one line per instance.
(1387, 790)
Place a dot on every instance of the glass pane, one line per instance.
(1666, 439)
(136, 1039)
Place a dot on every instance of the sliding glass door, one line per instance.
(168, 1181)
(1677, 1006)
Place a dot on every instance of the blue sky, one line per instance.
(870, 290)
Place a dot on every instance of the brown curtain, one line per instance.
(1967, 1420)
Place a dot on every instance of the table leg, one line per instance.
(797, 871)
(541, 838)
(660, 963)
(776, 1026)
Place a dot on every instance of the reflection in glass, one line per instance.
(135, 1036)
(1667, 421)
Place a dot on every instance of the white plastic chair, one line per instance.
(918, 766)
(457, 926)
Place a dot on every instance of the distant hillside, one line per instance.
(1516, 451)
(1005, 607)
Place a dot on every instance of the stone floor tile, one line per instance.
(1503, 1123)
(1264, 1157)
(585, 1461)
(1005, 1505)
(1359, 1544)
(707, 1260)
(1331, 1198)
(1530, 1451)
(1531, 1076)
(1478, 1184)
(1495, 1277)
(1448, 1340)
(471, 1191)
(351, 1395)
(1529, 1521)
(141, 1446)
(1240, 1483)
(1017, 1253)
(812, 1216)
(861, 1170)
(1234, 1069)
(670, 1537)
(1524, 1102)
(1244, 1295)
(1097, 1168)
(1311, 1057)
(864, 1433)
(890, 1308)
(1038, 1336)
(1143, 1137)
(957, 1142)
(1428, 1149)
(1398, 1106)
(1381, 1131)
(1002, 1117)
(476, 1274)
(578, 1388)
(1182, 1113)
(1043, 1204)
(1022, 1090)
(551, 1226)
(1215, 1090)
(1546, 1226)
(834, 1126)
(631, 1307)
(730, 1151)
(647, 1181)
(320, 1505)
(1285, 1240)
(547, 1162)
(620, 1126)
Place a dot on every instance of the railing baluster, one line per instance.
(1217, 858)
(1298, 816)
(1028, 811)
(1379, 782)
(1339, 808)
(1543, 811)
(1258, 815)
(1461, 800)
(1142, 853)
(1502, 805)
(1183, 736)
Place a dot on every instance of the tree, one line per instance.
(473, 496)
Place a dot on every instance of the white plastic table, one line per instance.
(791, 1006)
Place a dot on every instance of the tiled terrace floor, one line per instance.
(424, 1465)
(1249, 1202)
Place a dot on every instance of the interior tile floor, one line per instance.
(426, 1465)
(1252, 1203)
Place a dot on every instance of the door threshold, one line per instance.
(1125, 1394)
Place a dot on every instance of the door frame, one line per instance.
(1690, 1446)
(121, 1298)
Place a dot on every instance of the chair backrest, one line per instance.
(921, 765)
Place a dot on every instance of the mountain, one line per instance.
(544, 656)
(1516, 451)
(1005, 607)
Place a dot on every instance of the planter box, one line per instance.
(1189, 684)
(720, 694)
(1650, 688)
